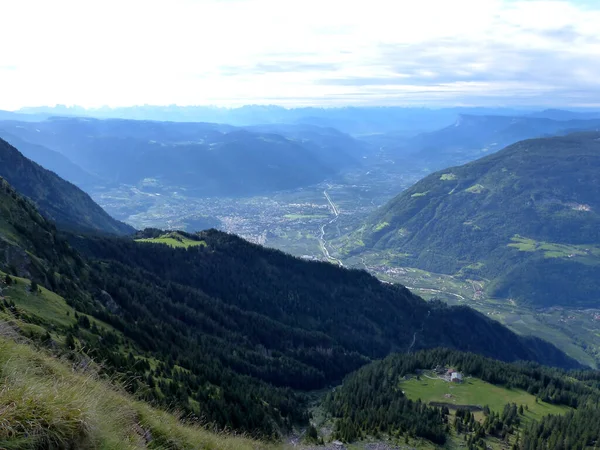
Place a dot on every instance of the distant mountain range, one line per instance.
(57, 199)
(561, 114)
(204, 159)
(351, 120)
(527, 218)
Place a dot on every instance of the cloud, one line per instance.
(334, 52)
(286, 66)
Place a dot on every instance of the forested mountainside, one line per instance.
(204, 159)
(526, 217)
(57, 199)
(224, 329)
(378, 399)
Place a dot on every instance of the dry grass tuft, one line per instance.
(44, 403)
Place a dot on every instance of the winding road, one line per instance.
(322, 241)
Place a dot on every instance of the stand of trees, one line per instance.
(576, 430)
(371, 400)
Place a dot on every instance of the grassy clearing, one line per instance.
(380, 226)
(580, 253)
(448, 177)
(47, 307)
(476, 392)
(174, 240)
(419, 194)
(44, 304)
(45, 404)
(476, 189)
(8, 233)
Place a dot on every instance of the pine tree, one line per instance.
(70, 341)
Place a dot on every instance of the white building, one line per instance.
(456, 377)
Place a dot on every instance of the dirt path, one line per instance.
(416, 332)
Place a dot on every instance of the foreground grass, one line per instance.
(44, 403)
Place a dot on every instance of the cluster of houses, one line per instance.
(449, 374)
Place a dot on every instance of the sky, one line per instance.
(300, 52)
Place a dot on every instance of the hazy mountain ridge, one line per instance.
(206, 159)
(562, 114)
(475, 136)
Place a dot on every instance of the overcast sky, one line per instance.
(299, 52)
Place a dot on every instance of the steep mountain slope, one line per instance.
(527, 217)
(56, 198)
(224, 329)
(53, 161)
(205, 159)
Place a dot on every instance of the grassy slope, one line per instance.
(476, 392)
(44, 307)
(586, 254)
(47, 404)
